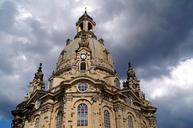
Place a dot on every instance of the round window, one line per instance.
(82, 87)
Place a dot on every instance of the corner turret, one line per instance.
(132, 81)
(37, 83)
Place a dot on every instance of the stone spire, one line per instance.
(132, 81)
(131, 73)
(39, 74)
(37, 83)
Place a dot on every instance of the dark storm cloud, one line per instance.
(162, 47)
(39, 39)
(6, 106)
(5, 67)
(175, 111)
(24, 44)
(169, 24)
(7, 15)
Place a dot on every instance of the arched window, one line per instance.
(59, 120)
(130, 122)
(107, 122)
(82, 115)
(37, 123)
(82, 66)
(89, 26)
(81, 26)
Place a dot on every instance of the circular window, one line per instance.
(82, 87)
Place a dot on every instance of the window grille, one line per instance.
(82, 87)
(82, 115)
(130, 122)
(59, 120)
(107, 122)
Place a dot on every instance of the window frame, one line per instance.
(82, 87)
(107, 119)
(130, 121)
(37, 122)
(82, 115)
(59, 119)
(82, 66)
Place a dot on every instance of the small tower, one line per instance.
(39, 75)
(132, 81)
(130, 73)
(37, 83)
(85, 23)
(85, 26)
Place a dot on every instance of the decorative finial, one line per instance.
(129, 64)
(39, 74)
(85, 12)
(131, 73)
(40, 68)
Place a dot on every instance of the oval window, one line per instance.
(82, 87)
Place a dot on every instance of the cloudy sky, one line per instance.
(155, 35)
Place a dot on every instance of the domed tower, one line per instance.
(85, 57)
(84, 90)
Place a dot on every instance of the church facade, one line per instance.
(84, 91)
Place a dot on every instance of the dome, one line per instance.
(85, 51)
(99, 54)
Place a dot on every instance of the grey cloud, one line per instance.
(6, 106)
(152, 35)
(175, 111)
(166, 27)
(7, 14)
(5, 65)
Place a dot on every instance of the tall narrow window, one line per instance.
(37, 122)
(130, 122)
(90, 27)
(82, 115)
(107, 122)
(82, 66)
(81, 26)
(59, 120)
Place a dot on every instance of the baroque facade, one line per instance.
(84, 91)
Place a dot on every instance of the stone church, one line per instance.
(84, 90)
